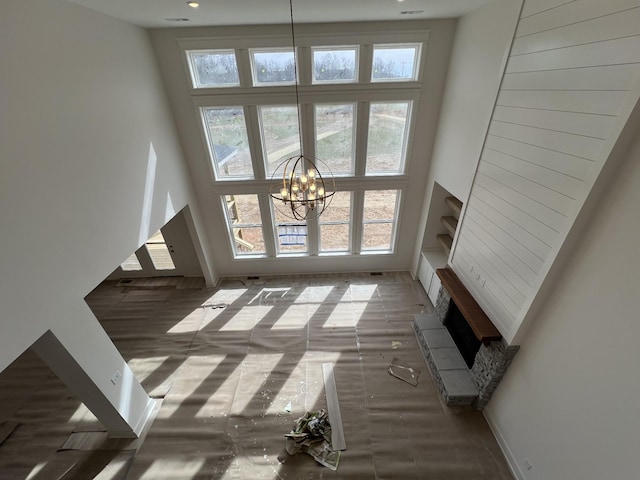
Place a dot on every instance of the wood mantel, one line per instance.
(481, 325)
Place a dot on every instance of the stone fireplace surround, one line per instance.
(458, 384)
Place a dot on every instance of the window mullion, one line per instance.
(313, 236)
(304, 65)
(361, 141)
(264, 200)
(366, 60)
(396, 220)
(255, 141)
(244, 67)
(356, 222)
(307, 119)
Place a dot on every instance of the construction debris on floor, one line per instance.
(312, 435)
(404, 372)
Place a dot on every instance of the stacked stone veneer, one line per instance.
(491, 362)
(489, 367)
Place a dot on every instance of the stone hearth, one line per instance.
(457, 383)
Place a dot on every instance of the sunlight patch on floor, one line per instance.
(36, 470)
(227, 295)
(359, 309)
(256, 369)
(193, 372)
(243, 320)
(190, 323)
(363, 293)
(340, 317)
(144, 367)
(262, 311)
(184, 469)
(318, 294)
(295, 317)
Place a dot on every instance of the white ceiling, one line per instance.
(154, 13)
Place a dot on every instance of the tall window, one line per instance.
(228, 143)
(387, 139)
(280, 135)
(245, 224)
(379, 219)
(335, 224)
(291, 234)
(335, 136)
(351, 109)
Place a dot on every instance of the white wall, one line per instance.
(570, 402)
(479, 54)
(478, 59)
(90, 167)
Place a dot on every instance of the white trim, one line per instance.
(512, 463)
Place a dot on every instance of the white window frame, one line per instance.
(210, 144)
(334, 48)
(231, 226)
(360, 93)
(408, 128)
(391, 46)
(195, 78)
(254, 77)
(394, 230)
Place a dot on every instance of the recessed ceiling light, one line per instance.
(193, 4)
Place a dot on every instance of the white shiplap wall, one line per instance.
(570, 82)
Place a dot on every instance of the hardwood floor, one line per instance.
(236, 367)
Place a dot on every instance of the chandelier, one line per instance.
(303, 190)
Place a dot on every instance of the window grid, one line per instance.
(270, 134)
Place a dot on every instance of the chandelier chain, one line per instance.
(295, 71)
(303, 190)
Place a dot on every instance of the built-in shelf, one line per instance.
(455, 204)
(446, 241)
(450, 223)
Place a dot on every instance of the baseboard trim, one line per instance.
(508, 454)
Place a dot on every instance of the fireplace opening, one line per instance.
(462, 334)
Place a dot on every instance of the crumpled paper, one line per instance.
(312, 435)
